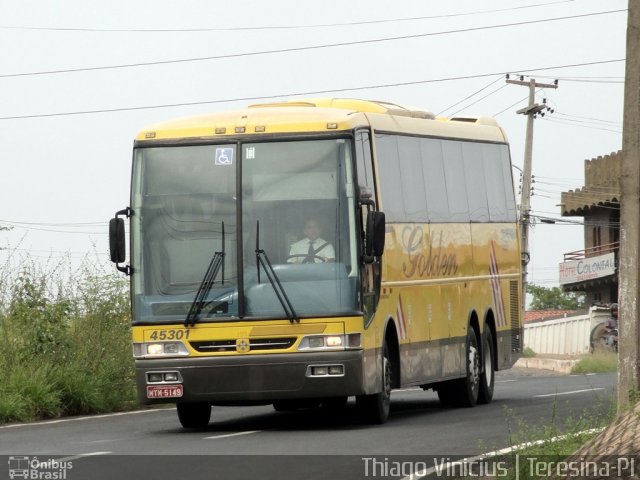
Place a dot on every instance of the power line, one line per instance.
(511, 106)
(594, 81)
(479, 100)
(51, 253)
(588, 79)
(574, 123)
(274, 27)
(582, 195)
(600, 189)
(300, 49)
(578, 180)
(472, 95)
(61, 224)
(53, 230)
(295, 94)
(595, 188)
(592, 200)
(589, 118)
(57, 227)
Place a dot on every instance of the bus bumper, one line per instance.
(251, 378)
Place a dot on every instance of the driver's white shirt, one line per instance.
(302, 248)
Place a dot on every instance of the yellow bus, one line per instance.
(414, 279)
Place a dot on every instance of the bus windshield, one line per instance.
(296, 201)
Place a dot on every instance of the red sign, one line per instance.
(164, 391)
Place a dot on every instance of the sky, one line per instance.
(79, 79)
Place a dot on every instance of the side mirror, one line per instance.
(374, 246)
(117, 247)
(117, 240)
(378, 230)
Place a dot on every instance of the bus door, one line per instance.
(370, 267)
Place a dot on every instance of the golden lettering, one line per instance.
(436, 263)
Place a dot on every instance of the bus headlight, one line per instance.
(159, 349)
(331, 342)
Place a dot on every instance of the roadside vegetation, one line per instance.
(597, 362)
(543, 452)
(535, 449)
(65, 342)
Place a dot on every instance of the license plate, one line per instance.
(164, 391)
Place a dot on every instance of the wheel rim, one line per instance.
(474, 367)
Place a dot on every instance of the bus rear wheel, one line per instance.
(487, 377)
(464, 392)
(194, 415)
(375, 408)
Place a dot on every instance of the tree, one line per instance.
(554, 298)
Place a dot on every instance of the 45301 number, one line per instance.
(169, 335)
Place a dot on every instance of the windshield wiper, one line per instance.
(216, 264)
(263, 259)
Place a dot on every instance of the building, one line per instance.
(594, 269)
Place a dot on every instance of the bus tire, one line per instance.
(487, 377)
(464, 392)
(470, 384)
(194, 415)
(375, 408)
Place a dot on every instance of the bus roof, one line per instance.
(322, 115)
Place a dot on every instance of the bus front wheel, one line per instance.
(194, 415)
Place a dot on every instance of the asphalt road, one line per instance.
(257, 442)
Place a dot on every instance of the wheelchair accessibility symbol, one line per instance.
(224, 156)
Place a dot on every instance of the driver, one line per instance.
(312, 248)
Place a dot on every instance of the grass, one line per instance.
(597, 362)
(65, 342)
(546, 448)
(551, 443)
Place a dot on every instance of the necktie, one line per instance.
(311, 254)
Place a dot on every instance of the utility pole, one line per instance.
(532, 110)
(628, 269)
